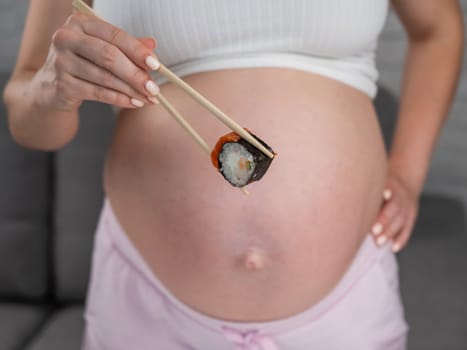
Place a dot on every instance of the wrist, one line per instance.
(47, 93)
(412, 175)
(34, 120)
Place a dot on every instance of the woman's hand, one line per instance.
(90, 59)
(398, 213)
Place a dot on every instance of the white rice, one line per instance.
(230, 157)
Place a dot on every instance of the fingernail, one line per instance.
(396, 247)
(137, 103)
(377, 228)
(152, 63)
(154, 100)
(152, 88)
(381, 240)
(387, 194)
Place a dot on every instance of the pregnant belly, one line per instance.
(279, 250)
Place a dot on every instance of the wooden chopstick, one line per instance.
(229, 122)
(183, 123)
(213, 109)
(188, 128)
(84, 8)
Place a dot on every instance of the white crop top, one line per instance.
(334, 38)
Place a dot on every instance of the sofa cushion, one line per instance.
(79, 195)
(18, 323)
(62, 331)
(433, 277)
(25, 202)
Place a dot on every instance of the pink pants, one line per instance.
(129, 308)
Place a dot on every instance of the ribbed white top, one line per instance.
(334, 38)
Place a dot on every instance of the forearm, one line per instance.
(33, 123)
(430, 78)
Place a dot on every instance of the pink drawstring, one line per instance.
(249, 340)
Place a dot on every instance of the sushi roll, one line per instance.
(238, 161)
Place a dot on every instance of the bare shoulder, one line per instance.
(423, 17)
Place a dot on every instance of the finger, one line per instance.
(85, 70)
(387, 213)
(110, 58)
(401, 240)
(89, 91)
(387, 194)
(148, 42)
(130, 46)
(65, 40)
(392, 229)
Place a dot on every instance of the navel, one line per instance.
(254, 259)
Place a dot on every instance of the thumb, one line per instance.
(148, 42)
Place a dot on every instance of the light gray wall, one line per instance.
(448, 172)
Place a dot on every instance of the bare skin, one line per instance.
(280, 250)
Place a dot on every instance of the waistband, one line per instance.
(366, 256)
(360, 73)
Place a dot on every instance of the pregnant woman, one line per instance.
(182, 259)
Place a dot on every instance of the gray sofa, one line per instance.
(49, 206)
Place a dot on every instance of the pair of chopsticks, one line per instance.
(84, 8)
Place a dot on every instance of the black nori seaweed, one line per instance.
(262, 161)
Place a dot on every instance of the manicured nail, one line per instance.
(387, 194)
(377, 228)
(396, 247)
(154, 100)
(137, 103)
(152, 63)
(152, 88)
(381, 240)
